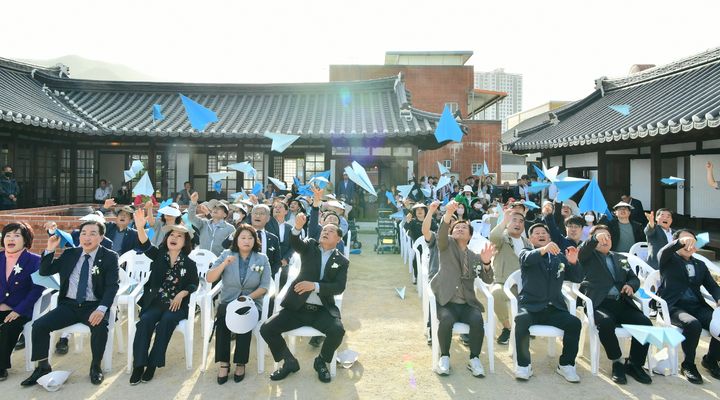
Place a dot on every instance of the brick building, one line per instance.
(436, 79)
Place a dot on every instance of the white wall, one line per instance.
(640, 180)
(581, 160)
(182, 171)
(703, 199)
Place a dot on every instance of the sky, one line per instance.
(560, 47)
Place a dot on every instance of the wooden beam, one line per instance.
(656, 192)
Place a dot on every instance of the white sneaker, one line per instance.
(476, 367)
(443, 367)
(523, 373)
(568, 372)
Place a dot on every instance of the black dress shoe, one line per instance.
(691, 373)
(136, 375)
(238, 378)
(3, 374)
(504, 337)
(62, 347)
(322, 370)
(316, 341)
(289, 366)
(20, 343)
(712, 367)
(637, 372)
(148, 375)
(96, 375)
(37, 373)
(222, 379)
(618, 373)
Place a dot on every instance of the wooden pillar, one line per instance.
(328, 156)
(240, 177)
(602, 169)
(655, 176)
(151, 162)
(73, 173)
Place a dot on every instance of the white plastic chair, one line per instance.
(204, 259)
(348, 244)
(642, 270)
(460, 328)
(138, 274)
(640, 249)
(421, 256)
(41, 307)
(551, 332)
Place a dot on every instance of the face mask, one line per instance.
(589, 218)
(236, 216)
(460, 210)
(477, 206)
(8, 174)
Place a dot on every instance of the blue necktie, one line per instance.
(83, 282)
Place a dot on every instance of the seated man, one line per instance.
(454, 288)
(544, 269)
(682, 276)
(88, 285)
(507, 236)
(124, 238)
(610, 283)
(573, 228)
(657, 233)
(310, 301)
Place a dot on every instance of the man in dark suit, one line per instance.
(88, 285)
(282, 230)
(124, 238)
(682, 277)
(346, 188)
(637, 212)
(309, 300)
(541, 301)
(657, 233)
(623, 231)
(610, 284)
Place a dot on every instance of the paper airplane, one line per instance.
(347, 358)
(398, 215)
(531, 205)
(623, 109)
(658, 336)
(391, 198)
(144, 186)
(401, 292)
(486, 171)
(218, 186)
(536, 187)
(54, 380)
(568, 187)
(281, 142)
(671, 180)
(447, 128)
(136, 166)
(257, 188)
(539, 172)
(593, 199)
(239, 195)
(550, 174)
(244, 167)
(93, 217)
(166, 204)
(128, 175)
(702, 240)
(426, 192)
(65, 238)
(278, 184)
(198, 115)
(319, 181)
(501, 214)
(150, 232)
(157, 113)
(442, 182)
(218, 176)
(357, 174)
(46, 281)
(443, 169)
(404, 190)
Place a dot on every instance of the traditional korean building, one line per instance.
(62, 135)
(672, 129)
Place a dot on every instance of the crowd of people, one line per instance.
(254, 240)
(552, 244)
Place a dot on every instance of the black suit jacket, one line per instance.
(614, 228)
(130, 240)
(542, 279)
(675, 277)
(332, 283)
(598, 280)
(105, 281)
(188, 280)
(286, 250)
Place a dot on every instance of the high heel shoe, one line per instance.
(236, 377)
(222, 379)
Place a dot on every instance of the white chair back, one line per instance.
(639, 266)
(203, 261)
(125, 260)
(640, 249)
(139, 268)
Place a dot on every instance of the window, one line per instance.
(86, 175)
(476, 169)
(257, 159)
(447, 164)
(402, 152)
(360, 151)
(382, 151)
(65, 176)
(314, 163)
(453, 107)
(218, 163)
(341, 151)
(44, 180)
(170, 177)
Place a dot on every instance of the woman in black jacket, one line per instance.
(173, 277)
(414, 229)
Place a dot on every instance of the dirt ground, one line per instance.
(394, 363)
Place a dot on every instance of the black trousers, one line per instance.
(67, 313)
(159, 319)
(693, 318)
(287, 320)
(451, 313)
(9, 334)
(611, 314)
(552, 316)
(222, 340)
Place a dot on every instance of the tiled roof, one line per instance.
(379, 108)
(679, 97)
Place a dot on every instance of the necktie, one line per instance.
(83, 282)
(610, 266)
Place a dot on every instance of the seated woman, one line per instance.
(173, 277)
(244, 272)
(173, 216)
(18, 293)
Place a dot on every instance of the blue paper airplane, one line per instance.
(404, 190)
(702, 240)
(136, 167)
(443, 169)
(164, 204)
(278, 183)
(281, 142)
(257, 188)
(671, 180)
(296, 181)
(245, 167)
(442, 182)
(218, 186)
(241, 195)
(567, 187)
(65, 238)
(531, 204)
(219, 176)
(426, 192)
(357, 174)
(623, 109)
(398, 215)
(391, 198)
(447, 128)
(539, 172)
(144, 186)
(593, 199)
(536, 187)
(401, 292)
(658, 336)
(198, 115)
(320, 183)
(157, 113)
(446, 200)
(150, 232)
(486, 171)
(47, 281)
(501, 214)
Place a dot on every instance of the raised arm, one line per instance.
(427, 222)
(192, 211)
(709, 175)
(666, 253)
(443, 231)
(298, 244)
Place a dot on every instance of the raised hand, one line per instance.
(149, 204)
(52, 243)
(651, 218)
(109, 203)
(300, 220)
(194, 197)
(709, 165)
(487, 253)
(571, 253)
(433, 207)
(688, 242)
(50, 226)
(317, 195)
(451, 207)
(229, 260)
(603, 238)
(552, 248)
(547, 209)
(140, 219)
